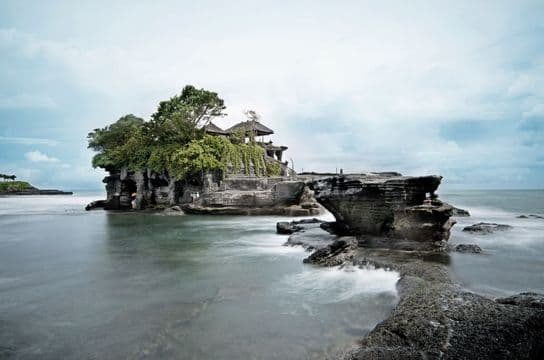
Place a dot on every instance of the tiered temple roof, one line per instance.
(251, 125)
(213, 129)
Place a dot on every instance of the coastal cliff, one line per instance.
(208, 194)
(400, 211)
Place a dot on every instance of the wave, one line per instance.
(337, 284)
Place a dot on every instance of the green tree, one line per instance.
(114, 141)
(180, 119)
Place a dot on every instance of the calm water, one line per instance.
(514, 259)
(96, 285)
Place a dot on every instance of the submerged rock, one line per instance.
(531, 216)
(486, 228)
(391, 205)
(173, 211)
(468, 248)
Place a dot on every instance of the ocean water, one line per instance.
(97, 285)
(512, 260)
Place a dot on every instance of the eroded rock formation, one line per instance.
(387, 205)
(209, 194)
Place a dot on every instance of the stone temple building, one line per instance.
(251, 128)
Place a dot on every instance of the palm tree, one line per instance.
(3, 176)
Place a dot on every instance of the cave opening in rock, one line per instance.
(128, 193)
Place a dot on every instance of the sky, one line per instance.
(454, 88)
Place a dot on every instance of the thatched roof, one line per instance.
(251, 125)
(213, 129)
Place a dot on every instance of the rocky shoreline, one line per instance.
(435, 317)
(34, 191)
(397, 223)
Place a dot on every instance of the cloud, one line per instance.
(38, 156)
(27, 141)
(429, 87)
(21, 101)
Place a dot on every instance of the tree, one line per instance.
(112, 141)
(181, 118)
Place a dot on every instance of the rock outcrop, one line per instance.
(209, 194)
(527, 299)
(460, 212)
(435, 317)
(486, 228)
(531, 216)
(388, 205)
(468, 248)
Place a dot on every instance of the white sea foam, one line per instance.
(331, 285)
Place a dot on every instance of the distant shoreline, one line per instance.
(24, 188)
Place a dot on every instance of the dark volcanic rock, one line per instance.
(337, 253)
(459, 212)
(527, 299)
(468, 248)
(439, 321)
(98, 204)
(399, 207)
(486, 228)
(532, 216)
(286, 228)
(436, 319)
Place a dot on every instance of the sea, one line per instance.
(106, 285)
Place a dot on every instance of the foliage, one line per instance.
(216, 153)
(174, 141)
(273, 168)
(14, 186)
(180, 119)
(115, 141)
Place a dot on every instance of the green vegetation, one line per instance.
(173, 141)
(14, 186)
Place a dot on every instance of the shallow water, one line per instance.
(79, 285)
(513, 260)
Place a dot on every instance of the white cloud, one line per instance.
(27, 141)
(390, 74)
(38, 156)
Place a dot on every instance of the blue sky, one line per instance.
(453, 88)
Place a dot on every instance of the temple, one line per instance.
(250, 128)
